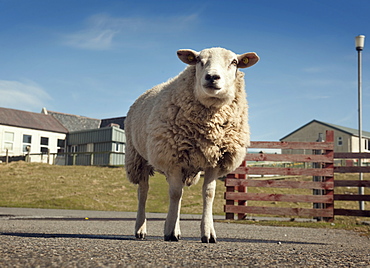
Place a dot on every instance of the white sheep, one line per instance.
(197, 121)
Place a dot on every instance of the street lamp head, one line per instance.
(360, 42)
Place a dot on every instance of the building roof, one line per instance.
(111, 121)
(347, 130)
(39, 121)
(74, 122)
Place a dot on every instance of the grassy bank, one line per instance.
(37, 185)
(87, 187)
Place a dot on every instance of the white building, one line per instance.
(59, 138)
(346, 140)
(24, 132)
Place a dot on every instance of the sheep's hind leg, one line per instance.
(172, 225)
(142, 193)
(208, 233)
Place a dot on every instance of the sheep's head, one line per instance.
(216, 72)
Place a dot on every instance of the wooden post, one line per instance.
(48, 158)
(330, 138)
(28, 157)
(242, 189)
(7, 156)
(230, 216)
(319, 179)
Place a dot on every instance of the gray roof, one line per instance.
(351, 131)
(74, 122)
(117, 120)
(39, 121)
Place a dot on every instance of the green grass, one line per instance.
(34, 185)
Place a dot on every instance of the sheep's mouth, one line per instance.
(212, 87)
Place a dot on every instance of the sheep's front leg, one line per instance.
(142, 194)
(172, 224)
(208, 234)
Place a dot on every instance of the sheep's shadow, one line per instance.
(87, 219)
(131, 237)
(151, 238)
(81, 236)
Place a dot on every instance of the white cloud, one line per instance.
(97, 35)
(93, 39)
(25, 96)
(102, 31)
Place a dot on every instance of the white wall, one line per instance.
(16, 146)
(355, 145)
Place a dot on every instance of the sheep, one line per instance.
(194, 122)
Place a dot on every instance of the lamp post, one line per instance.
(360, 42)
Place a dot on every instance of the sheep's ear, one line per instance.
(247, 59)
(188, 56)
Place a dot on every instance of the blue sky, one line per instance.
(94, 58)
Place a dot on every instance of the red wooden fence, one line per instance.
(236, 183)
(351, 183)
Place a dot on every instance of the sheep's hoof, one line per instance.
(140, 236)
(207, 240)
(172, 237)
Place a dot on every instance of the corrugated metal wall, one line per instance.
(110, 141)
(118, 135)
(107, 134)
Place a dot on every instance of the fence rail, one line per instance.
(66, 158)
(321, 167)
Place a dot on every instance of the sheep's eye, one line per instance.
(234, 62)
(199, 61)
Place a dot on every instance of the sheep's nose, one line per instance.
(212, 78)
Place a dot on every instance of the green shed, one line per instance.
(100, 147)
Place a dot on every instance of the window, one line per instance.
(27, 139)
(340, 141)
(367, 145)
(8, 140)
(73, 149)
(90, 147)
(116, 149)
(60, 145)
(44, 141)
(44, 145)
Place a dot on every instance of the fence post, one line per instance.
(318, 178)
(54, 158)
(330, 138)
(28, 156)
(6, 156)
(242, 189)
(230, 216)
(48, 158)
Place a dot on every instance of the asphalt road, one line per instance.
(69, 238)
